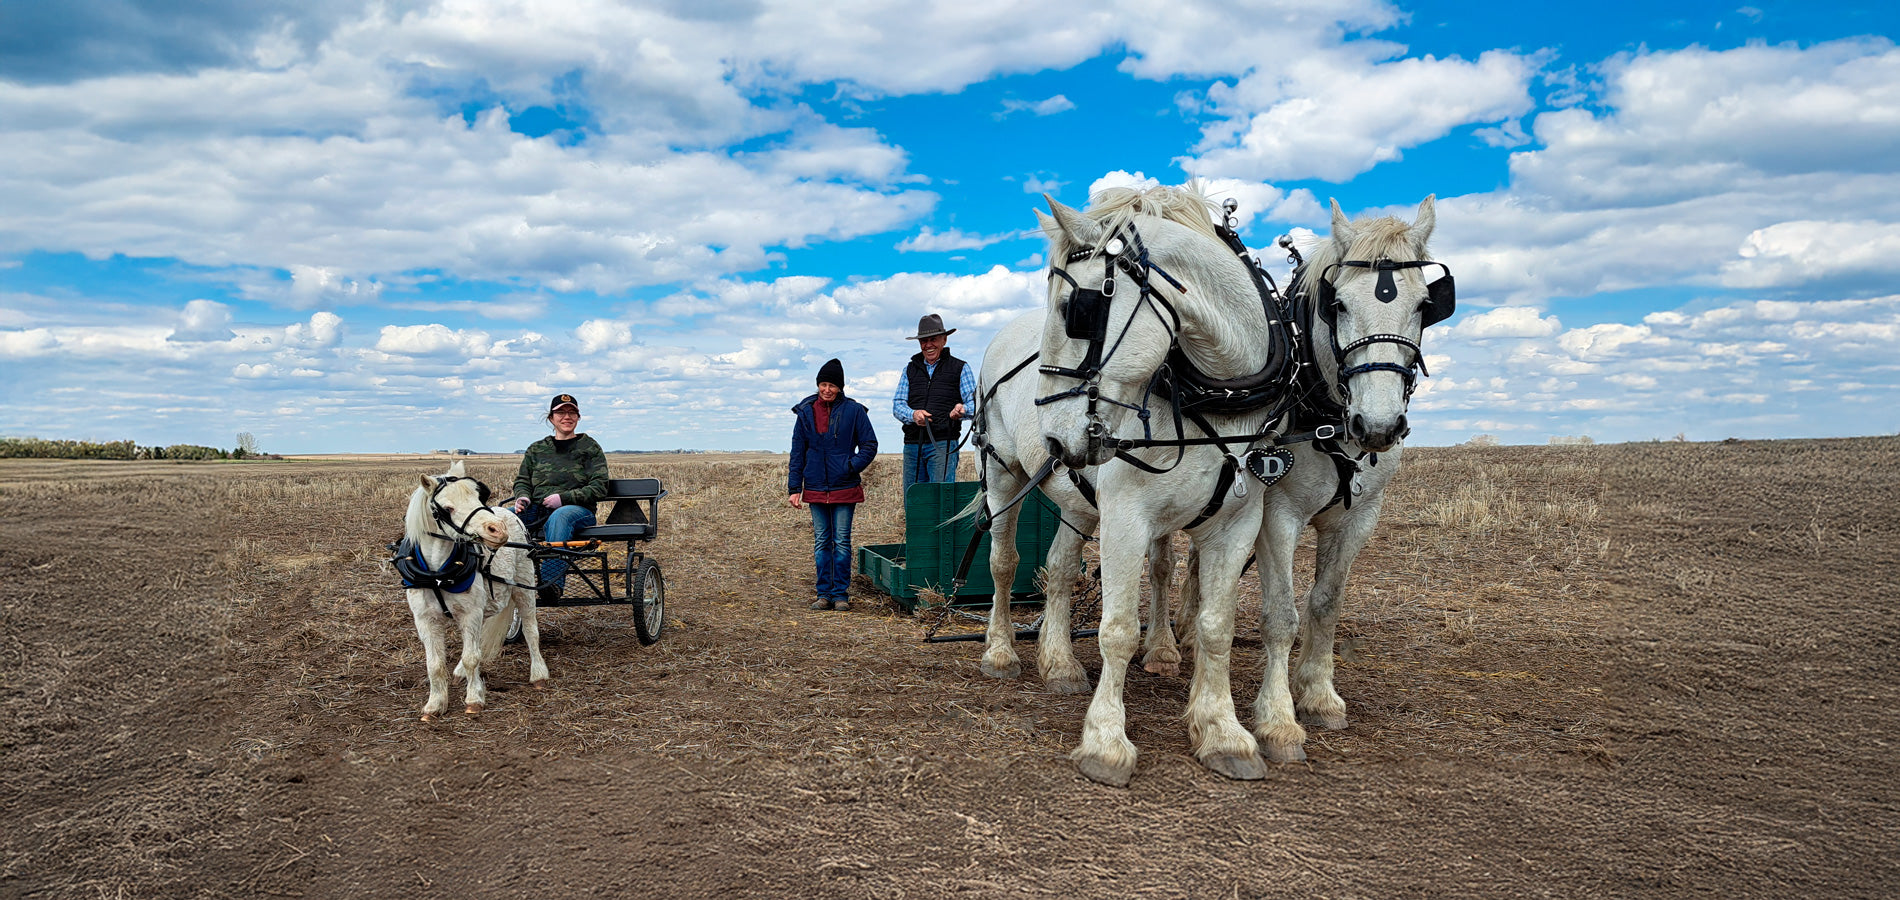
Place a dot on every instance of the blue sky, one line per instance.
(401, 226)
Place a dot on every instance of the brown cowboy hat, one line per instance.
(930, 326)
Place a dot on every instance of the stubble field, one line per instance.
(1632, 670)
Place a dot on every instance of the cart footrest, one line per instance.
(629, 532)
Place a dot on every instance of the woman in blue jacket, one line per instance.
(832, 442)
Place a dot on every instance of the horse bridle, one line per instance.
(445, 517)
(1085, 318)
(1440, 302)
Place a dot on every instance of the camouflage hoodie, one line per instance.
(579, 475)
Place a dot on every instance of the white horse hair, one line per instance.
(1218, 313)
(482, 613)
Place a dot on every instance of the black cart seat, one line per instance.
(636, 512)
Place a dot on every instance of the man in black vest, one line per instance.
(934, 396)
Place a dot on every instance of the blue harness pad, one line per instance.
(456, 576)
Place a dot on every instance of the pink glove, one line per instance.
(553, 501)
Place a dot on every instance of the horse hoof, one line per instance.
(1239, 768)
(1013, 670)
(1165, 669)
(473, 708)
(1290, 753)
(428, 717)
(1103, 773)
(1067, 684)
(1330, 723)
(541, 685)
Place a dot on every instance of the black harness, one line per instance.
(466, 559)
(1193, 395)
(1317, 406)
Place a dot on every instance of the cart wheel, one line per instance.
(514, 628)
(646, 590)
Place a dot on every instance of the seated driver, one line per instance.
(562, 477)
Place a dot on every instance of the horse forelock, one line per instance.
(1115, 207)
(1385, 237)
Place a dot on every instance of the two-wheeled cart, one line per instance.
(604, 564)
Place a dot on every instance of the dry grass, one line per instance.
(1471, 565)
(1541, 647)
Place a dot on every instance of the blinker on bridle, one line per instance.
(1085, 318)
(1440, 302)
(443, 516)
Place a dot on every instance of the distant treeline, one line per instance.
(35, 448)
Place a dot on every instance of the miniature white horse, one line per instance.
(1367, 322)
(1164, 282)
(1011, 451)
(474, 582)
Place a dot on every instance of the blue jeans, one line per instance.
(557, 525)
(831, 547)
(925, 463)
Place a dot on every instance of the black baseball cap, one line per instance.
(561, 400)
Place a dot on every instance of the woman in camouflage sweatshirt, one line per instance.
(562, 476)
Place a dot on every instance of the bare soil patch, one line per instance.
(1638, 670)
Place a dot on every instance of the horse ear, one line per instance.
(456, 470)
(1422, 225)
(1342, 228)
(1050, 227)
(1080, 228)
(428, 481)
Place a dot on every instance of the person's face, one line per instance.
(933, 346)
(565, 419)
(828, 392)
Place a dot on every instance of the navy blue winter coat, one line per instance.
(830, 461)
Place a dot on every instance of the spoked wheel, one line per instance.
(646, 590)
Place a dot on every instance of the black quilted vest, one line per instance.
(935, 394)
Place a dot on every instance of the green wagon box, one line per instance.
(933, 546)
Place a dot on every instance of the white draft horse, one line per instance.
(1363, 299)
(1372, 300)
(1010, 452)
(457, 545)
(1127, 287)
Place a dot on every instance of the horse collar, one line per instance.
(456, 574)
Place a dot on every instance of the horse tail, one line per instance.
(969, 510)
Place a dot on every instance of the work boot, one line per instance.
(841, 604)
(821, 603)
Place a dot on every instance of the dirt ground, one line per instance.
(1636, 670)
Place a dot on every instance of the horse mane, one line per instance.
(1381, 238)
(415, 523)
(1114, 207)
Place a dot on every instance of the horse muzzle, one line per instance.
(1375, 437)
(1073, 458)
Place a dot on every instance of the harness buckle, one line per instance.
(1325, 433)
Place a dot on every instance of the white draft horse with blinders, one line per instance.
(1127, 287)
(1364, 299)
(462, 541)
(1011, 453)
